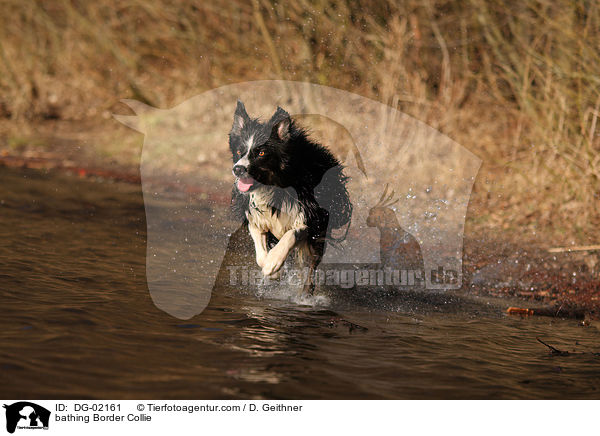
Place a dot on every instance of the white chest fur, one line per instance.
(261, 215)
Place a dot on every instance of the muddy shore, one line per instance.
(557, 283)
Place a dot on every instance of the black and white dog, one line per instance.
(289, 189)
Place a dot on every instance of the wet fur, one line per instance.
(300, 190)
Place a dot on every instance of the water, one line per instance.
(78, 322)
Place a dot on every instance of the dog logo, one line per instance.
(26, 415)
(429, 175)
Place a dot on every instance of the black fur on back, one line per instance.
(297, 168)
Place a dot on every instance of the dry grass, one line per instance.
(517, 83)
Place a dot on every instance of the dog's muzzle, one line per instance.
(244, 182)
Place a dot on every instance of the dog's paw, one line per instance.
(273, 261)
(260, 259)
(275, 276)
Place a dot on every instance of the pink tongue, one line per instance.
(245, 183)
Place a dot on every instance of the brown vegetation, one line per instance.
(517, 83)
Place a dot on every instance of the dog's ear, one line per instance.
(240, 118)
(280, 122)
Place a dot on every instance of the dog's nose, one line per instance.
(239, 170)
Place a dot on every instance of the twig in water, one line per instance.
(574, 248)
(553, 351)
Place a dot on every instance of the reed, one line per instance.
(516, 82)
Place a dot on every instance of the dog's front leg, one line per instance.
(260, 243)
(279, 253)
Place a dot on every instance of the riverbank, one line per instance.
(551, 277)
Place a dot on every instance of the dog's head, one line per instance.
(258, 149)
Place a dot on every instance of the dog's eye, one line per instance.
(261, 154)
